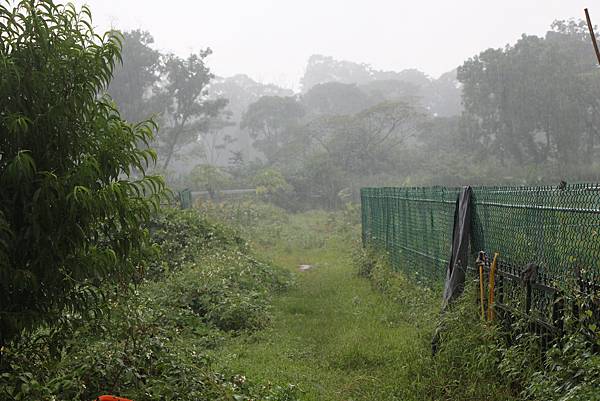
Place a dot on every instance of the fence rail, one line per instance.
(555, 228)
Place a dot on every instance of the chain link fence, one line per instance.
(555, 229)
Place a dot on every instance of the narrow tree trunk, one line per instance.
(172, 144)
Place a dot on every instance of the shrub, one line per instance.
(254, 219)
(180, 236)
(153, 345)
(73, 190)
(474, 359)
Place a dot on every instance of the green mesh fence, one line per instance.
(185, 198)
(558, 229)
(413, 224)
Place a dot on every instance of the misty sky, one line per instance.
(271, 40)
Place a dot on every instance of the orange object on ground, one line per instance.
(111, 398)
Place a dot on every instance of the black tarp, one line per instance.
(461, 235)
(457, 265)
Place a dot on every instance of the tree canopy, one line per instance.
(335, 98)
(537, 100)
(136, 77)
(189, 108)
(271, 121)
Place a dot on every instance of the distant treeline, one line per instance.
(526, 113)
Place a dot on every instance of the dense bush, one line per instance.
(73, 192)
(266, 225)
(153, 345)
(473, 358)
(569, 370)
(257, 220)
(179, 236)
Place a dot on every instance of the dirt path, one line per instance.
(334, 336)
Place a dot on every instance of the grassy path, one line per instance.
(333, 335)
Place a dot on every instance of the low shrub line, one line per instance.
(149, 341)
(475, 360)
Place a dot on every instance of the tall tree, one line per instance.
(215, 139)
(367, 142)
(321, 69)
(189, 107)
(241, 91)
(537, 100)
(136, 76)
(391, 90)
(440, 96)
(335, 98)
(272, 122)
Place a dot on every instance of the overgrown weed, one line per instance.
(203, 286)
(476, 361)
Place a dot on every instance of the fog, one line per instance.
(271, 40)
(272, 199)
(310, 101)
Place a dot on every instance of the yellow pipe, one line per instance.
(492, 285)
(481, 299)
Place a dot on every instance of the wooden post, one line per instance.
(492, 287)
(480, 262)
(592, 34)
(481, 296)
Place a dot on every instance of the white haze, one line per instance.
(271, 40)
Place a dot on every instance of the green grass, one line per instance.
(217, 321)
(332, 334)
(340, 336)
